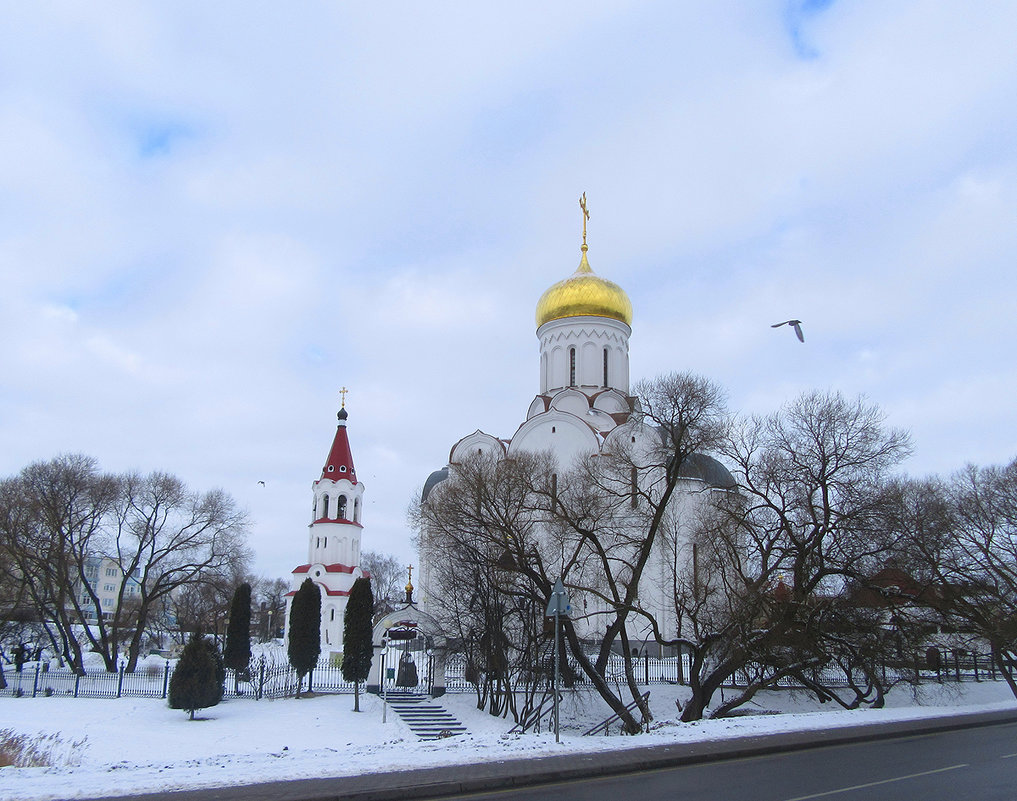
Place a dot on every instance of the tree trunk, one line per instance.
(628, 721)
(1005, 668)
(134, 647)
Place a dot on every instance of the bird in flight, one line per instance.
(795, 324)
(262, 483)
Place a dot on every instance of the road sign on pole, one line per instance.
(559, 603)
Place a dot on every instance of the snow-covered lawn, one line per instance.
(140, 745)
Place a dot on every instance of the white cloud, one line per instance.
(215, 216)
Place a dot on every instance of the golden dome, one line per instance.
(584, 294)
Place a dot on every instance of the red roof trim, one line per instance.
(338, 567)
(338, 520)
(327, 592)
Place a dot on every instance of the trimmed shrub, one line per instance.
(197, 682)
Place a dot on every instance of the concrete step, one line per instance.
(426, 719)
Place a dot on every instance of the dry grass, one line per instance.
(43, 750)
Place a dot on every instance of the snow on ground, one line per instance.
(140, 745)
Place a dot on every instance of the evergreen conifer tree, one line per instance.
(305, 631)
(237, 653)
(357, 636)
(197, 682)
(220, 667)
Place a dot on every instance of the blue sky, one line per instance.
(214, 217)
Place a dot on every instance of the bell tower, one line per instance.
(333, 542)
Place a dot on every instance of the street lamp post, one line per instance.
(557, 605)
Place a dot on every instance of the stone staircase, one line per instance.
(426, 719)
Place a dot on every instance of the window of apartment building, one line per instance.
(107, 602)
(109, 588)
(111, 571)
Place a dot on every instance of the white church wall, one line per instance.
(572, 401)
(475, 444)
(564, 434)
(589, 336)
(611, 401)
(537, 406)
(591, 365)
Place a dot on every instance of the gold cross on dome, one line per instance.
(342, 396)
(586, 215)
(409, 577)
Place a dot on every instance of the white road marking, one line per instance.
(873, 784)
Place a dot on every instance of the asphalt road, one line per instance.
(978, 763)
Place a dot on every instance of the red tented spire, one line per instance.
(340, 459)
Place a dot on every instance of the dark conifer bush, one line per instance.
(357, 636)
(304, 646)
(197, 682)
(237, 653)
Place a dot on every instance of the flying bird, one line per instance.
(262, 483)
(795, 324)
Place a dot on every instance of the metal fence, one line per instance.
(951, 666)
(266, 680)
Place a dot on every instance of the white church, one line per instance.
(333, 542)
(583, 406)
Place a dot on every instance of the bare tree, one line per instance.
(775, 558)
(472, 529)
(969, 556)
(199, 607)
(269, 598)
(386, 574)
(53, 519)
(167, 537)
(63, 520)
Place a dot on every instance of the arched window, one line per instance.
(356, 510)
(554, 493)
(572, 367)
(341, 514)
(634, 478)
(606, 384)
(324, 506)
